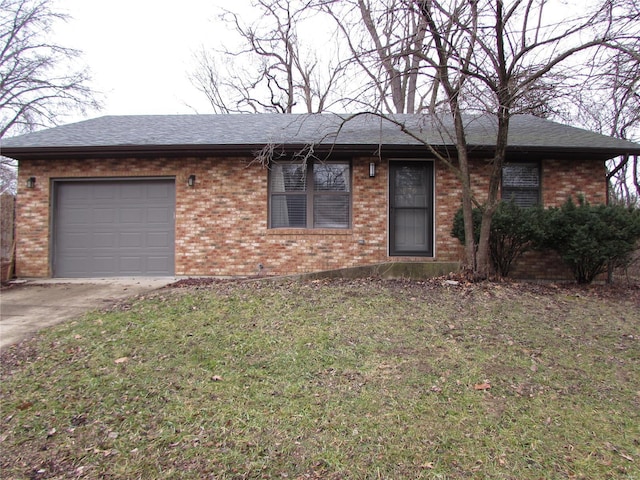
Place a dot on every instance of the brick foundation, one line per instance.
(221, 223)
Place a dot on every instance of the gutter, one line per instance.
(336, 150)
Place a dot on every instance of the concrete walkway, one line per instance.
(35, 304)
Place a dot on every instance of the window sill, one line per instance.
(309, 231)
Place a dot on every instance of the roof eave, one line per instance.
(145, 151)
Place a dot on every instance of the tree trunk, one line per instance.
(467, 197)
(483, 267)
(470, 241)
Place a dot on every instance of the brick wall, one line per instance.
(562, 179)
(221, 223)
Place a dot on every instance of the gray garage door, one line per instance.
(113, 228)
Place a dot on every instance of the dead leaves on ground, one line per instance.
(482, 386)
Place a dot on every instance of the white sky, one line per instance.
(140, 52)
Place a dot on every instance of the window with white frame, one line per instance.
(521, 183)
(311, 195)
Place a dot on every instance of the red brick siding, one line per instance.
(448, 201)
(221, 223)
(32, 222)
(562, 179)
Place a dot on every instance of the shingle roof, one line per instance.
(200, 132)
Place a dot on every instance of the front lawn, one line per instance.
(332, 379)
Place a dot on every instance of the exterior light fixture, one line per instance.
(31, 182)
(191, 181)
(372, 169)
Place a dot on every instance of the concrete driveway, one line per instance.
(34, 304)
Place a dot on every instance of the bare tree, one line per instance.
(274, 70)
(8, 177)
(618, 115)
(38, 81)
(386, 39)
(492, 54)
(611, 103)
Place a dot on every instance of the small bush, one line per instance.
(590, 238)
(458, 226)
(514, 230)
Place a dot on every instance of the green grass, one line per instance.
(335, 379)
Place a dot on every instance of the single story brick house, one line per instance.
(187, 195)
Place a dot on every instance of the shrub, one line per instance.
(458, 226)
(514, 230)
(590, 238)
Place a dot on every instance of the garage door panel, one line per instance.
(158, 240)
(131, 265)
(103, 215)
(132, 215)
(75, 216)
(103, 263)
(78, 195)
(76, 262)
(104, 240)
(132, 239)
(158, 192)
(160, 215)
(156, 265)
(102, 193)
(77, 240)
(98, 232)
(131, 192)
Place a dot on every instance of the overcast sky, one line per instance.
(139, 52)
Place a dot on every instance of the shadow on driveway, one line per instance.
(30, 305)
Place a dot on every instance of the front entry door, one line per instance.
(411, 208)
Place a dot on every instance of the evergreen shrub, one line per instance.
(590, 238)
(514, 230)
